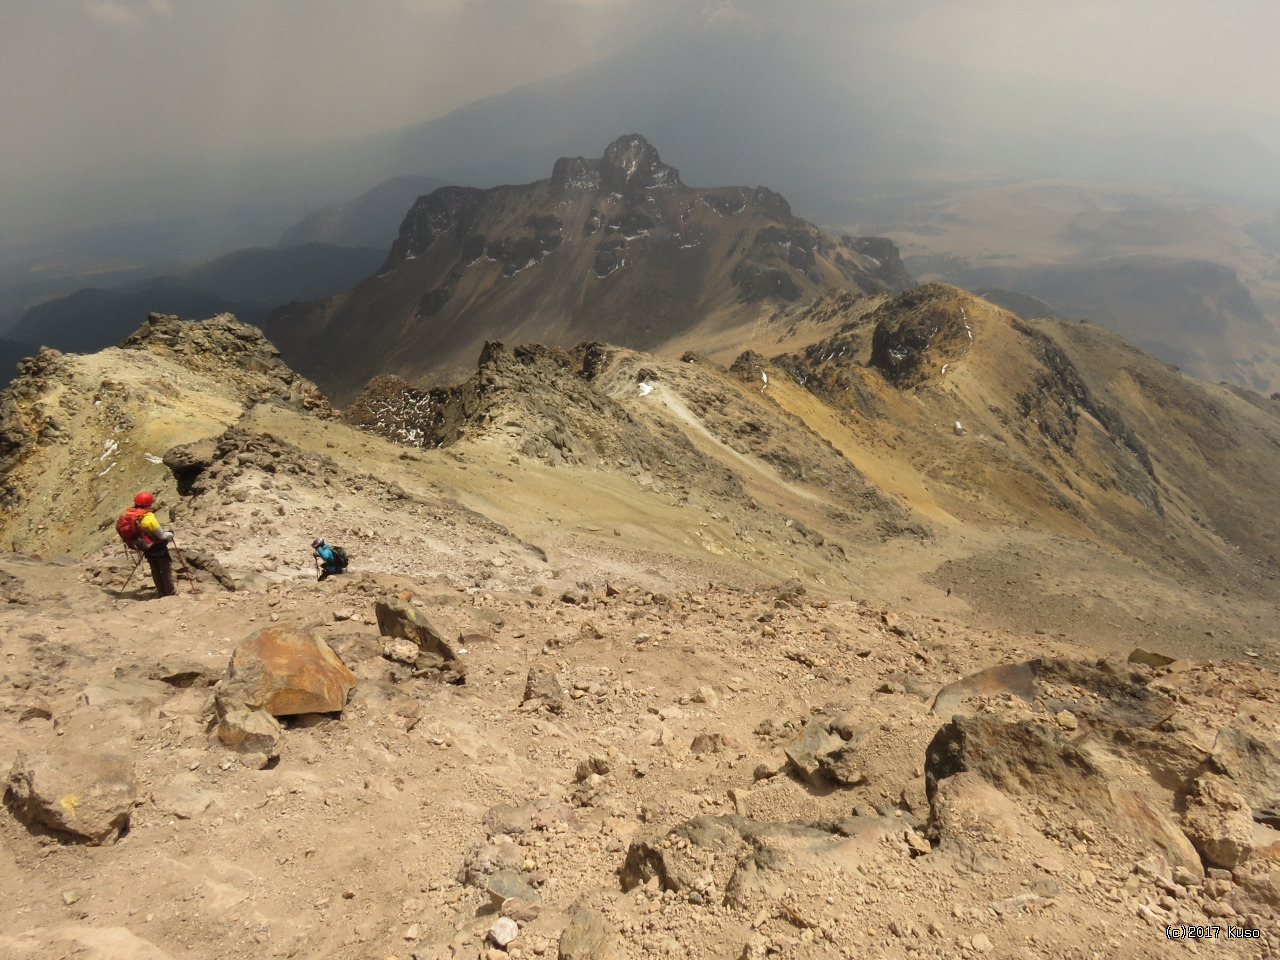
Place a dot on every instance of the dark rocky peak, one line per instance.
(630, 165)
(576, 173)
(448, 210)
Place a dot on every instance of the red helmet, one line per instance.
(143, 499)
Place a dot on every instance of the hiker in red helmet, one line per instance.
(140, 530)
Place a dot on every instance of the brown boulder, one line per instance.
(543, 685)
(87, 794)
(285, 670)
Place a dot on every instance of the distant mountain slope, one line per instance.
(1188, 311)
(614, 249)
(370, 220)
(1063, 425)
(248, 283)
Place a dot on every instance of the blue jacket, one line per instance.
(325, 553)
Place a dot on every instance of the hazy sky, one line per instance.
(99, 80)
(92, 86)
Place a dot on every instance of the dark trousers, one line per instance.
(161, 568)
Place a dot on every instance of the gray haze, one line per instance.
(228, 119)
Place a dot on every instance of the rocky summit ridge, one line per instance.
(615, 249)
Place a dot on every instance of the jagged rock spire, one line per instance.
(630, 164)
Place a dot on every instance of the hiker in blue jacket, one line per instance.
(326, 561)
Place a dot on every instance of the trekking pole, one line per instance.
(136, 565)
(185, 570)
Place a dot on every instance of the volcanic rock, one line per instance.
(397, 619)
(543, 685)
(1219, 823)
(87, 794)
(285, 670)
(253, 733)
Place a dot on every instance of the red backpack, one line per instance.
(128, 529)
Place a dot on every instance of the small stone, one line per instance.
(412, 933)
(506, 884)
(1185, 877)
(706, 695)
(982, 943)
(521, 911)
(503, 931)
(69, 897)
(498, 561)
(401, 651)
(891, 686)
(1087, 879)
(1044, 887)
(343, 613)
(765, 771)
(1067, 720)
(917, 843)
(1152, 867)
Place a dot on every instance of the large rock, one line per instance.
(285, 670)
(543, 685)
(1018, 679)
(87, 794)
(821, 758)
(398, 619)
(1252, 760)
(489, 859)
(1140, 816)
(808, 750)
(1105, 697)
(1259, 880)
(588, 936)
(187, 461)
(1019, 759)
(254, 734)
(1219, 822)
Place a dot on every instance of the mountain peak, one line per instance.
(630, 164)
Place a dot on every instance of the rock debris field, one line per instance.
(611, 772)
